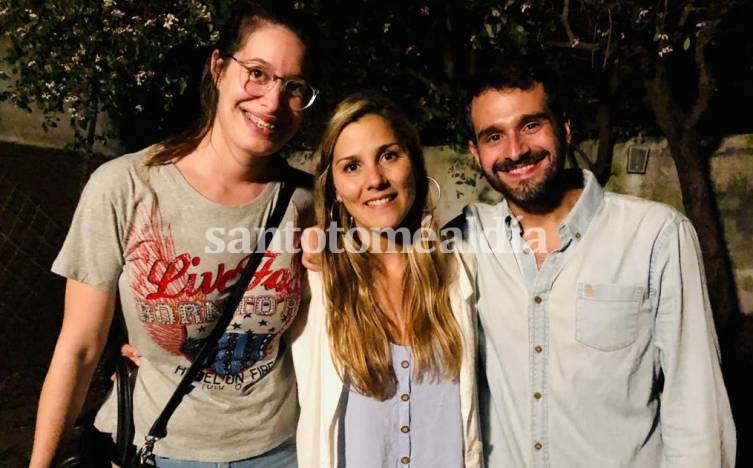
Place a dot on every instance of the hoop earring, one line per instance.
(331, 211)
(351, 221)
(439, 194)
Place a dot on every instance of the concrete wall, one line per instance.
(732, 176)
(25, 128)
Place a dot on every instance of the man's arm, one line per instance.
(696, 420)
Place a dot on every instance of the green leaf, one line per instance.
(686, 44)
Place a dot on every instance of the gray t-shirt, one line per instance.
(173, 255)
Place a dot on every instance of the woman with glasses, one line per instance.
(385, 360)
(169, 229)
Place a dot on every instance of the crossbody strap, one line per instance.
(159, 428)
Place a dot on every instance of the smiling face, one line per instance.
(519, 146)
(260, 124)
(372, 174)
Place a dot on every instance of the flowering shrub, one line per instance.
(86, 57)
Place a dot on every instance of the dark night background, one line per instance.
(420, 54)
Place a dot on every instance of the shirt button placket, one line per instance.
(538, 378)
(404, 406)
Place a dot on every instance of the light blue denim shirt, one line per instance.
(419, 427)
(606, 356)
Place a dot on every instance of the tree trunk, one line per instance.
(697, 197)
(88, 151)
(700, 207)
(602, 167)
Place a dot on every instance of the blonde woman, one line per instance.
(385, 360)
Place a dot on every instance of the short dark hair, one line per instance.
(518, 72)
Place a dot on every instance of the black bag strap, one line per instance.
(124, 389)
(159, 428)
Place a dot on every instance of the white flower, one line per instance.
(139, 108)
(140, 77)
(170, 20)
(665, 51)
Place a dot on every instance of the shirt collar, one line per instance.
(577, 221)
(579, 218)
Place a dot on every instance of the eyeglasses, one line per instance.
(257, 80)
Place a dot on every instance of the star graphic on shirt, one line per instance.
(202, 328)
(248, 315)
(236, 326)
(262, 323)
(271, 330)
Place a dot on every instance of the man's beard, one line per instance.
(533, 195)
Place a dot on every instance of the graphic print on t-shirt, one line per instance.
(179, 299)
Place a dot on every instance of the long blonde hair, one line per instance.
(357, 325)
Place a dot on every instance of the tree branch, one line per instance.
(660, 100)
(706, 84)
(574, 41)
(587, 46)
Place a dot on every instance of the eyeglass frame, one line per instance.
(275, 78)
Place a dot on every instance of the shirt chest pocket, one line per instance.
(606, 315)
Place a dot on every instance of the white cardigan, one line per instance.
(320, 387)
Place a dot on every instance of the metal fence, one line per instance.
(29, 239)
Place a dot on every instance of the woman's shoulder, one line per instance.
(120, 170)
